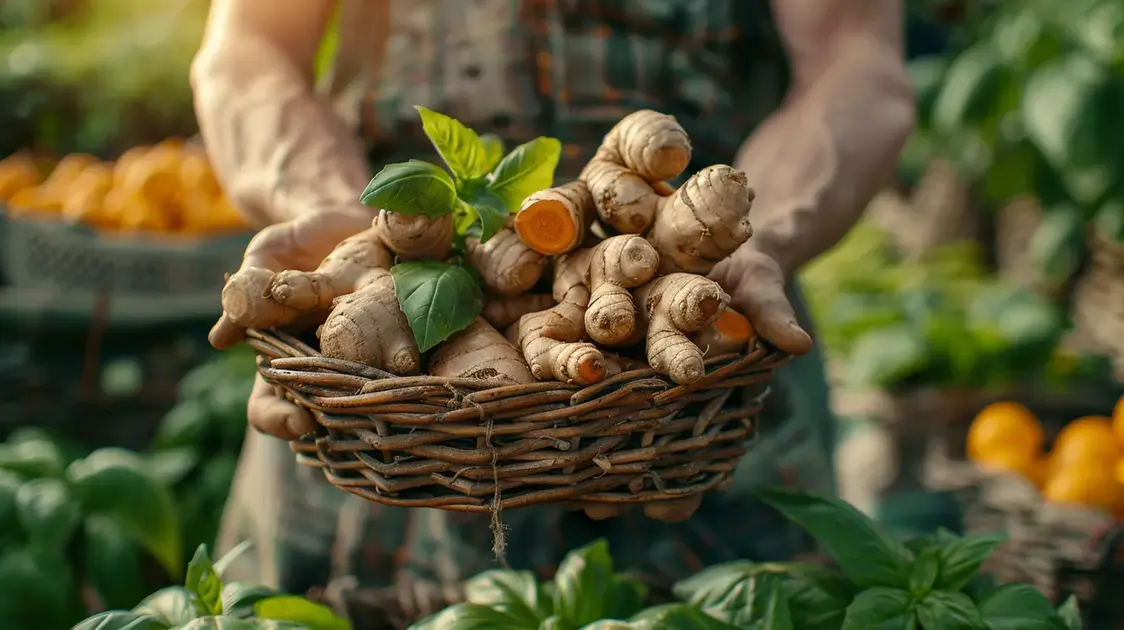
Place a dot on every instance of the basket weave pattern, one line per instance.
(475, 445)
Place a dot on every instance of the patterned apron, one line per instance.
(568, 69)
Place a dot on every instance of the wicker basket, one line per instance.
(475, 445)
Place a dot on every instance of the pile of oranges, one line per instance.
(1085, 465)
(168, 187)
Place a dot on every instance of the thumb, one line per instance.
(762, 298)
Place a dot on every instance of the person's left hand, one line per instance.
(756, 284)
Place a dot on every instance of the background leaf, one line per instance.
(238, 598)
(528, 169)
(458, 145)
(119, 620)
(469, 617)
(960, 560)
(880, 608)
(516, 593)
(438, 299)
(299, 610)
(113, 482)
(1069, 614)
(173, 606)
(865, 553)
(204, 583)
(948, 611)
(47, 512)
(412, 188)
(969, 88)
(1016, 606)
(924, 573)
(588, 590)
(113, 563)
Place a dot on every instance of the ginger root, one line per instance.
(246, 301)
(671, 306)
(616, 265)
(415, 237)
(645, 147)
(551, 339)
(480, 351)
(503, 311)
(351, 265)
(731, 332)
(368, 327)
(705, 221)
(556, 220)
(506, 264)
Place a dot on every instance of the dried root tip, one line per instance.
(653, 145)
(673, 511)
(480, 351)
(369, 327)
(611, 316)
(705, 221)
(247, 303)
(503, 311)
(626, 260)
(506, 264)
(671, 306)
(550, 343)
(416, 237)
(347, 268)
(671, 353)
(731, 332)
(555, 221)
(578, 363)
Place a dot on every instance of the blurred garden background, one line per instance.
(991, 271)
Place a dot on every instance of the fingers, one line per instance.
(271, 414)
(757, 287)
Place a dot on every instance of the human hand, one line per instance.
(756, 284)
(300, 244)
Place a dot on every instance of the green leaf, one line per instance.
(1067, 106)
(1059, 241)
(113, 563)
(10, 529)
(47, 512)
(885, 356)
(493, 148)
(229, 623)
(185, 425)
(460, 147)
(528, 169)
(118, 620)
(1070, 615)
(739, 593)
(775, 613)
(588, 590)
(674, 616)
(114, 482)
(171, 466)
(948, 610)
(438, 299)
(880, 608)
(300, 610)
(38, 588)
(960, 560)
(412, 188)
(492, 211)
(172, 606)
(38, 457)
(924, 573)
(970, 89)
(818, 597)
(516, 593)
(204, 583)
(469, 617)
(865, 554)
(238, 598)
(926, 74)
(223, 563)
(1109, 220)
(1016, 607)
(1100, 28)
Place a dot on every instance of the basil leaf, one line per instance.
(35, 457)
(492, 211)
(47, 512)
(412, 188)
(204, 583)
(678, 616)
(172, 606)
(516, 593)
(493, 149)
(300, 610)
(459, 146)
(528, 169)
(1017, 607)
(880, 608)
(948, 610)
(1070, 615)
(589, 591)
(438, 299)
(865, 553)
(818, 597)
(238, 598)
(115, 482)
(118, 620)
(113, 563)
(924, 573)
(961, 560)
(969, 89)
(469, 617)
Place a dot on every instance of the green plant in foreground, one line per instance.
(205, 602)
(484, 188)
(879, 583)
(70, 524)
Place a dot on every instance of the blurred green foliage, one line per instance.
(940, 320)
(1030, 105)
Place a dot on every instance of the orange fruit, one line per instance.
(1004, 427)
(1120, 471)
(1088, 439)
(1033, 469)
(1093, 485)
(1118, 420)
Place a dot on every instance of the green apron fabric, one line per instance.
(717, 66)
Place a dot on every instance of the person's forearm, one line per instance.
(278, 149)
(820, 159)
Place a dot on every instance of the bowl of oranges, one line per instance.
(1082, 466)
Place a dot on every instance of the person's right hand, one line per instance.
(299, 244)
